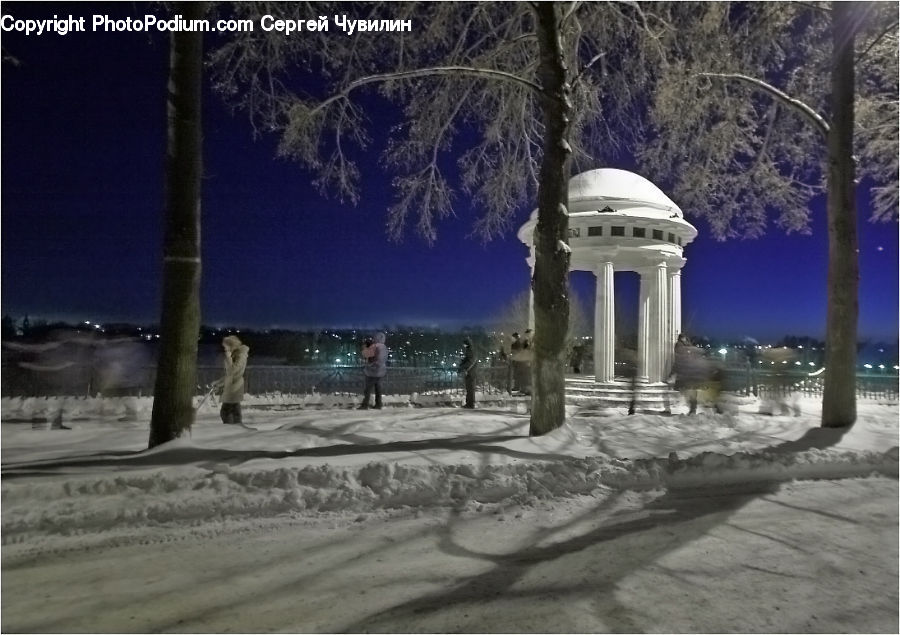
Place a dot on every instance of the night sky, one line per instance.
(83, 142)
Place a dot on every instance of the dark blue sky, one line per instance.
(83, 136)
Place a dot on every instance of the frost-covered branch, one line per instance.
(887, 29)
(781, 96)
(573, 7)
(815, 6)
(586, 67)
(456, 71)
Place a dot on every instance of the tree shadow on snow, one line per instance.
(188, 455)
(813, 439)
(625, 542)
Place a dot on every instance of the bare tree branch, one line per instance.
(484, 73)
(781, 96)
(888, 29)
(814, 6)
(587, 66)
(573, 7)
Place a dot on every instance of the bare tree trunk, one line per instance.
(176, 374)
(551, 268)
(839, 398)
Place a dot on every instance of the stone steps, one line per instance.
(584, 391)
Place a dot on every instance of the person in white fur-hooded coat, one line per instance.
(236, 354)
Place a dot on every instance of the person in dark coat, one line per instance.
(523, 359)
(577, 357)
(515, 352)
(375, 354)
(467, 369)
(630, 370)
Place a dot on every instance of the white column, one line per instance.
(643, 343)
(674, 314)
(604, 324)
(659, 323)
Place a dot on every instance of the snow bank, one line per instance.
(95, 483)
(179, 495)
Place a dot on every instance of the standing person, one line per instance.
(751, 359)
(777, 394)
(467, 368)
(627, 360)
(375, 353)
(515, 361)
(527, 360)
(501, 359)
(577, 357)
(236, 354)
(687, 367)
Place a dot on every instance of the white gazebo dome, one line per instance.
(620, 221)
(626, 190)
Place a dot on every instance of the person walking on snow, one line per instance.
(232, 385)
(467, 368)
(376, 355)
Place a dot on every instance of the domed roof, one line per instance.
(591, 190)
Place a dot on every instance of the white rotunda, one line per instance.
(620, 221)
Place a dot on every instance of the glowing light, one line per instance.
(869, 366)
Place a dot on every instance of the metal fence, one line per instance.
(85, 380)
(773, 384)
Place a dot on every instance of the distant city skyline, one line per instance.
(149, 328)
(83, 142)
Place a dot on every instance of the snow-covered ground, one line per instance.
(439, 519)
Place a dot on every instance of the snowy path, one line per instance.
(443, 520)
(807, 556)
